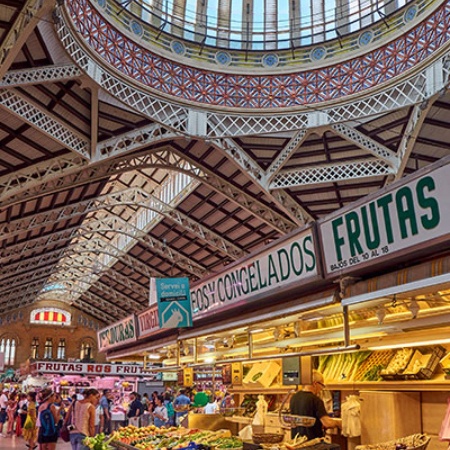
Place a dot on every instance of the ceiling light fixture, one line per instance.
(414, 308)
(410, 344)
(381, 314)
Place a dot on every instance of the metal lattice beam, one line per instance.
(332, 173)
(116, 224)
(40, 75)
(32, 12)
(415, 122)
(31, 178)
(134, 140)
(365, 143)
(168, 159)
(43, 121)
(292, 146)
(250, 168)
(106, 271)
(133, 197)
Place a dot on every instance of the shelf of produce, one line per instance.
(437, 384)
(259, 390)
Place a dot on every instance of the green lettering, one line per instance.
(252, 277)
(272, 271)
(309, 252)
(262, 282)
(220, 285)
(374, 242)
(299, 269)
(353, 233)
(245, 286)
(431, 203)
(405, 211)
(338, 241)
(283, 262)
(383, 203)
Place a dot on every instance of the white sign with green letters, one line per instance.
(292, 261)
(407, 215)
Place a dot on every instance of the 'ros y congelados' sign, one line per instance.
(117, 334)
(411, 214)
(293, 261)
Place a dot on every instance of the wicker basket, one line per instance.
(413, 442)
(267, 438)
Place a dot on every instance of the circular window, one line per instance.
(223, 58)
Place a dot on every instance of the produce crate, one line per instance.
(445, 363)
(378, 359)
(429, 358)
(397, 364)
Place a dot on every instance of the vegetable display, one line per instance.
(154, 438)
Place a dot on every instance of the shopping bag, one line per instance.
(64, 433)
(134, 421)
(28, 425)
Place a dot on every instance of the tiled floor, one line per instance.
(8, 443)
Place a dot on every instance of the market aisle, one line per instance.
(19, 443)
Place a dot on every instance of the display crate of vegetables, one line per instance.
(342, 367)
(376, 362)
(423, 363)
(153, 438)
(397, 364)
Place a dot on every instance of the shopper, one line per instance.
(21, 413)
(168, 403)
(135, 409)
(181, 405)
(160, 417)
(201, 398)
(3, 406)
(11, 410)
(145, 401)
(307, 403)
(105, 404)
(47, 419)
(82, 418)
(30, 431)
(211, 407)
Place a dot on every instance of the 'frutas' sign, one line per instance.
(395, 220)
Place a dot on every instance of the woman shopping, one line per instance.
(81, 419)
(30, 431)
(47, 418)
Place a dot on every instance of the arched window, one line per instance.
(35, 348)
(61, 353)
(87, 351)
(8, 347)
(48, 348)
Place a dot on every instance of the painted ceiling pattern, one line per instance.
(262, 91)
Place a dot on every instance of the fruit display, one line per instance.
(153, 438)
(99, 442)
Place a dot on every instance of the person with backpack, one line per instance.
(47, 419)
(168, 403)
(81, 418)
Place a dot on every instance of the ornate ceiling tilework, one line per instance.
(310, 86)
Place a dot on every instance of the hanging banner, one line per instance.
(119, 333)
(410, 215)
(174, 302)
(292, 262)
(78, 368)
